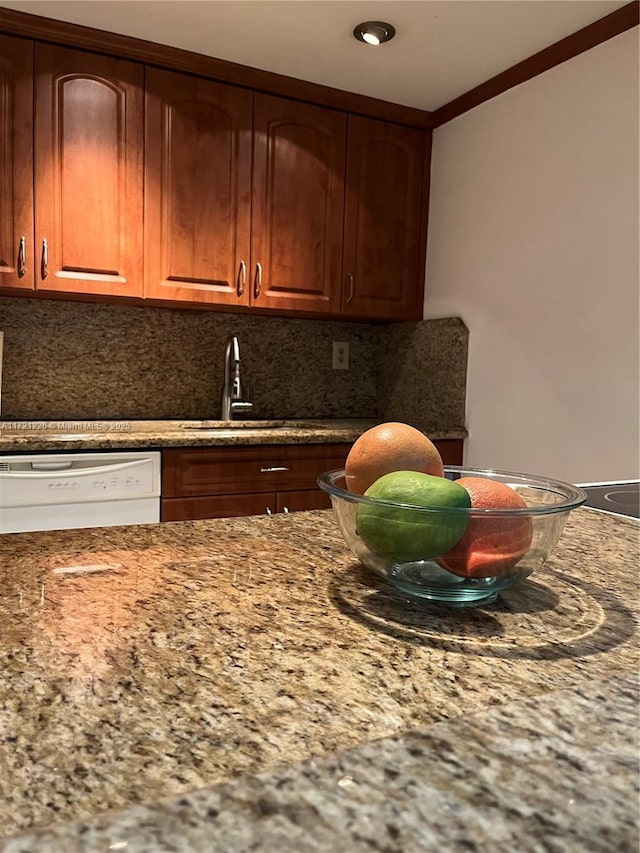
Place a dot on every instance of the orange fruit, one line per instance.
(386, 448)
(490, 545)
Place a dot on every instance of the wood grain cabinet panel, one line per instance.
(121, 181)
(383, 271)
(16, 164)
(190, 471)
(302, 501)
(214, 482)
(197, 189)
(298, 199)
(88, 172)
(217, 506)
(451, 450)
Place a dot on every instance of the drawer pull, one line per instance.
(350, 280)
(44, 265)
(269, 511)
(257, 281)
(242, 278)
(273, 469)
(22, 257)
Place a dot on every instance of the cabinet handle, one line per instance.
(22, 256)
(242, 278)
(257, 282)
(269, 511)
(273, 468)
(350, 280)
(45, 258)
(285, 509)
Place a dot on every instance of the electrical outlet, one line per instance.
(340, 355)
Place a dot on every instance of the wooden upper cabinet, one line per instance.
(197, 189)
(16, 163)
(298, 198)
(121, 180)
(385, 236)
(88, 172)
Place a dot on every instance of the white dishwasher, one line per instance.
(56, 491)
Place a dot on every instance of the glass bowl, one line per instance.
(459, 556)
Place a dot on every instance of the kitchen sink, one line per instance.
(68, 436)
(234, 426)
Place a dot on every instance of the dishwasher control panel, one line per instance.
(27, 480)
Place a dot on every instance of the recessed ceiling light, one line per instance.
(374, 32)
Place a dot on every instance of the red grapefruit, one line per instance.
(491, 545)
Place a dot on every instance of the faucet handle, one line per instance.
(241, 406)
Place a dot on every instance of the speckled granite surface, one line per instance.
(493, 781)
(22, 436)
(78, 435)
(423, 374)
(197, 653)
(74, 361)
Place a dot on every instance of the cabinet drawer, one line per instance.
(265, 468)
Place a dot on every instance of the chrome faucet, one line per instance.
(232, 401)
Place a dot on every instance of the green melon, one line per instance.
(405, 535)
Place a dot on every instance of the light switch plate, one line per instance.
(340, 355)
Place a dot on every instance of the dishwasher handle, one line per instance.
(50, 466)
(71, 471)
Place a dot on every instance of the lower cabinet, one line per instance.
(304, 499)
(221, 482)
(450, 449)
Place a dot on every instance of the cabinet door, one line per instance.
(197, 189)
(298, 198)
(451, 450)
(385, 237)
(88, 167)
(217, 506)
(16, 163)
(303, 500)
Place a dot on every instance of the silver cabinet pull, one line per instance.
(257, 282)
(273, 468)
(285, 509)
(269, 511)
(242, 278)
(22, 256)
(350, 280)
(45, 258)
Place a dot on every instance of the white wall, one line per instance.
(533, 241)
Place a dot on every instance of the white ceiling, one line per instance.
(442, 49)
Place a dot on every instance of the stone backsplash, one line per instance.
(422, 373)
(74, 360)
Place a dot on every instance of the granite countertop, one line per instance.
(245, 684)
(99, 435)
(19, 436)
